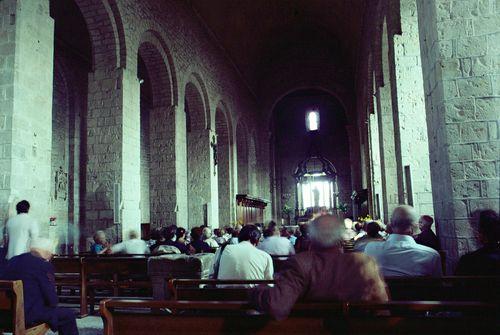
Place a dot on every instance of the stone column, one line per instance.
(113, 147)
(459, 43)
(26, 74)
(411, 110)
(163, 172)
(181, 180)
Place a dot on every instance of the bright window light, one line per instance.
(316, 193)
(312, 120)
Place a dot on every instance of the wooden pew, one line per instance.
(114, 274)
(453, 288)
(207, 289)
(126, 317)
(68, 271)
(400, 289)
(12, 310)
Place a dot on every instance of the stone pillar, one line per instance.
(411, 111)
(388, 163)
(113, 147)
(213, 208)
(163, 172)
(459, 43)
(181, 179)
(26, 74)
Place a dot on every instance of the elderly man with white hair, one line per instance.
(400, 255)
(40, 299)
(322, 274)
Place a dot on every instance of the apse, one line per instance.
(300, 135)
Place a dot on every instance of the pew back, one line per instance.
(215, 317)
(12, 310)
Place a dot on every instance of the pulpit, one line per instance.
(249, 209)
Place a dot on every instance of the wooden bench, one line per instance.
(452, 288)
(12, 310)
(208, 289)
(68, 270)
(400, 289)
(126, 317)
(115, 275)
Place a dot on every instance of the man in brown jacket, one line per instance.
(322, 274)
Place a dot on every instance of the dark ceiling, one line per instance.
(260, 35)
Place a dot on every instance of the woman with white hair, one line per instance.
(40, 300)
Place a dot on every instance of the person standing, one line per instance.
(20, 229)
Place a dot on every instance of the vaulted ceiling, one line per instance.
(260, 36)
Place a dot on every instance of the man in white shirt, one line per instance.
(400, 255)
(20, 230)
(276, 245)
(243, 260)
(132, 246)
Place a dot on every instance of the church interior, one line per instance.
(123, 118)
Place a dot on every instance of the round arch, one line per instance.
(103, 21)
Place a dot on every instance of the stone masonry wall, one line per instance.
(460, 54)
(26, 58)
(411, 109)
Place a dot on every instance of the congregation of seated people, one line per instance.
(318, 266)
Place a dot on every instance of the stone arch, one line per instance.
(223, 129)
(242, 157)
(198, 152)
(157, 133)
(342, 99)
(106, 31)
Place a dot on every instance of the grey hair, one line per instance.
(403, 218)
(207, 233)
(99, 232)
(326, 231)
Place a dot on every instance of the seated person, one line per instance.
(322, 274)
(303, 242)
(486, 260)
(40, 299)
(101, 245)
(372, 229)
(197, 244)
(243, 260)
(132, 246)
(160, 239)
(427, 236)
(275, 244)
(208, 238)
(234, 235)
(400, 255)
(180, 235)
(219, 236)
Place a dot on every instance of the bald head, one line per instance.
(404, 220)
(326, 231)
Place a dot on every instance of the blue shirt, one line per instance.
(401, 256)
(96, 248)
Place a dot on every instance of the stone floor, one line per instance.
(90, 325)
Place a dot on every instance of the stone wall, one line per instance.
(459, 44)
(412, 121)
(26, 72)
